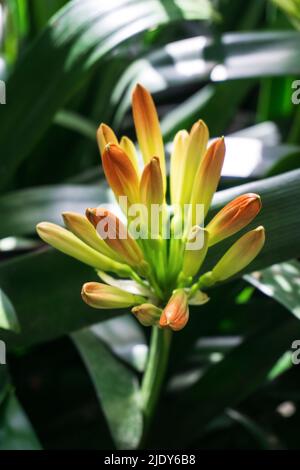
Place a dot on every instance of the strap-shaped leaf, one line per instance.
(231, 380)
(8, 317)
(204, 58)
(116, 387)
(76, 38)
(45, 290)
(281, 282)
(16, 432)
(46, 204)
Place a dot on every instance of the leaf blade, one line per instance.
(116, 387)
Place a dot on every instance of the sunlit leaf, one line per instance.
(8, 317)
(232, 379)
(281, 282)
(190, 61)
(50, 304)
(76, 38)
(46, 203)
(16, 432)
(125, 337)
(116, 387)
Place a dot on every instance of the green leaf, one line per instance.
(8, 317)
(46, 203)
(16, 26)
(76, 122)
(281, 282)
(16, 432)
(284, 363)
(40, 12)
(275, 99)
(261, 436)
(221, 59)
(116, 387)
(45, 288)
(125, 337)
(79, 36)
(5, 386)
(226, 57)
(234, 378)
(291, 8)
(206, 103)
(257, 158)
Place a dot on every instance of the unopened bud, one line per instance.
(99, 295)
(68, 243)
(240, 254)
(147, 314)
(195, 251)
(233, 217)
(115, 234)
(176, 313)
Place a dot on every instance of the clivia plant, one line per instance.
(150, 257)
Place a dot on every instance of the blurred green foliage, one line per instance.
(69, 65)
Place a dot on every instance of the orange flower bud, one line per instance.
(152, 195)
(239, 255)
(151, 185)
(233, 217)
(176, 313)
(100, 295)
(147, 127)
(147, 314)
(120, 173)
(207, 178)
(115, 234)
(105, 135)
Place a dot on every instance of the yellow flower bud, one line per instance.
(176, 313)
(129, 148)
(83, 229)
(68, 243)
(195, 251)
(147, 314)
(100, 295)
(239, 255)
(233, 217)
(178, 157)
(196, 148)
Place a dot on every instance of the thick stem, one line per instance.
(154, 374)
